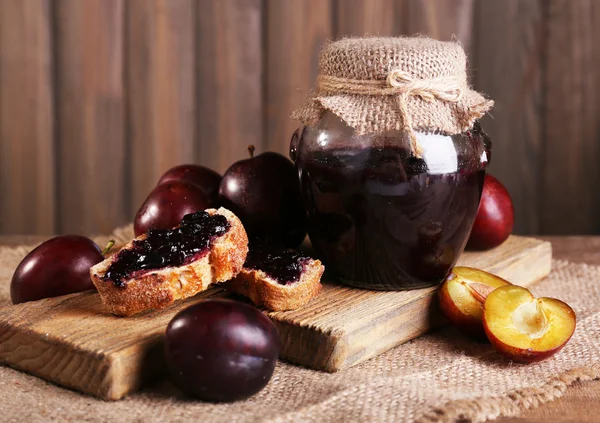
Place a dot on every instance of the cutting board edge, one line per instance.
(541, 266)
(332, 345)
(115, 376)
(36, 364)
(541, 263)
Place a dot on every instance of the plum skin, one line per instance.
(221, 350)
(206, 179)
(495, 217)
(264, 192)
(56, 267)
(166, 205)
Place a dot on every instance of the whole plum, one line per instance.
(221, 350)
(56, 267)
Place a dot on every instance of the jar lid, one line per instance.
(376, 85)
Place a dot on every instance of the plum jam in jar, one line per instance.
(381, 218)
(391, 160)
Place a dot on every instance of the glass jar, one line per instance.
(380, 217)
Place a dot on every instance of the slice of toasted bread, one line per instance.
(161, 287)
(265, 291)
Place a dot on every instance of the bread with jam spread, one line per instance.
(267, 285)
(126, 290)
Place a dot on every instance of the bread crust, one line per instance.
(159, 288)
(263, 290)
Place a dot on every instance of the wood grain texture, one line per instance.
(90, 112)
(570, 204)
(509, 68)
(160, 64)
(27, 158)
(441, 19)
(74, 342)
(370, 322)
(296, 31)
(104, 95)
(357, 18)
(230, 63)
(580, 404)
(101, 354)
(578, 249)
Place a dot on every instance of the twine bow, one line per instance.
(401, 84)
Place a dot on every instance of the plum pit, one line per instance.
(530, 319)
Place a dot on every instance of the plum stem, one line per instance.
(251, 149)
(108, 247)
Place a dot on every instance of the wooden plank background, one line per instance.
(99, 97)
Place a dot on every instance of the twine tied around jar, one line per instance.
(401, 84)
(379, 85)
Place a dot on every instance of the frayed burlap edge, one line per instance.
(121, 235)
(512, 403)
(381, 114)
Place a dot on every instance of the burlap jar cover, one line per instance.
(376, 85)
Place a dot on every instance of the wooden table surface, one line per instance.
(581, 403)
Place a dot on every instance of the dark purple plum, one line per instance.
(264, 192)
(166, 205)
(221, 350)
(207, 179)
(56, 267)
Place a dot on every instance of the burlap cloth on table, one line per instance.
(438, 377)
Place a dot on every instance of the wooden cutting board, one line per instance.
(74, 342)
